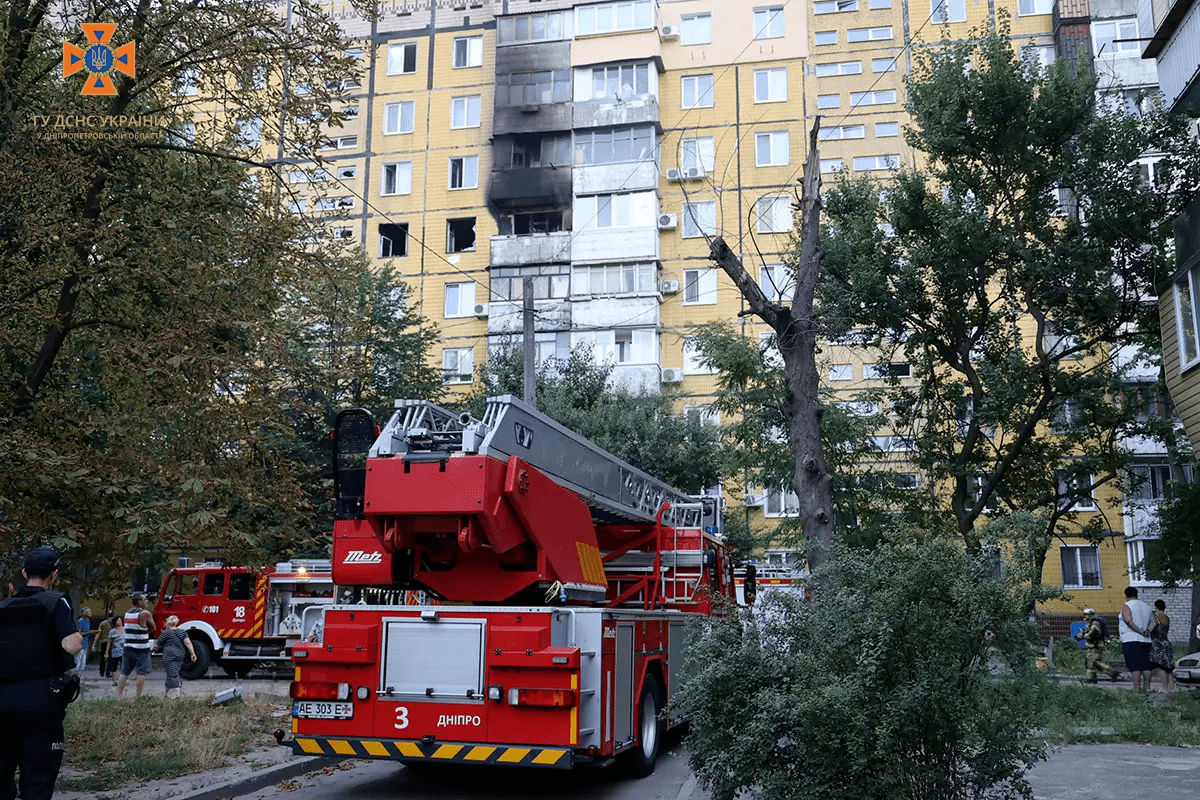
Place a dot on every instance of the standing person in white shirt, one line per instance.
(1135, 626)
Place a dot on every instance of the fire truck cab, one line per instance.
(563, 581)
(241, 618)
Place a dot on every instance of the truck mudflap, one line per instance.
(439, 752)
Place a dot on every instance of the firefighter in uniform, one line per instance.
(38, 641)
(1093, 636)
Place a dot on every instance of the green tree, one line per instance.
(638, 427)
(906, 674)
(1176, 559)
(145, 256)
(1015, 272)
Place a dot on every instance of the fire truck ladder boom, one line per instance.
(614, 490)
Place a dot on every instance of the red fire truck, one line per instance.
(241, 618)
(564, 579)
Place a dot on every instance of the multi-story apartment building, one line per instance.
(593, 146)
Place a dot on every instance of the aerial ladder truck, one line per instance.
(560, 581)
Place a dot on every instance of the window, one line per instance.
(693, 361)
(1028, 7)
(343, 234)
(620, 16)
(1080, 566)
(533, 88)
(349, 112)
(347, 173)
(398, 117)
(774, 214)
(614, 145)
(875, 98)
(834, 68)
(464, 112)
(188, 82)
(1074, 492)
(699, 219)
(865, 163)
(1115, 38)
(249, 132)
(843, 132)
(464, 172)
(1066, 416)
(829, 101)
(703, 415)
(776, 280)
(869, 34)
(298, 206)
(214, 583)
(623, 80)
(880, 371)
(829, 165)
(550, 281)
(975, 487)
(834, 6)
(874, 4)
(397, 178)
(340, 143)
(468, 51)
(393, 239)
(402, 59)
(887, 129)
(458, 365)
(525, 223)
(841, 372)
(825, 37)
(699, 152)
(1149, 481)
(304, 176)
(253, 78)
(460, 299)
(460, 235)
(1187, 327)
(531, 28)
(635, 346)
(883, 64)
(1137, 551)
(781, 502)
(606, 210)
(770, 85)
(700, 286)
(334, 203)
(772, 149)
(697, 91)
(696, 29)
(1041, 54)
(241, 587)
(949, 10)
(611, 279)
(1058, 342)
(768, 22)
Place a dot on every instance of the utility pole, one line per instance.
(527, 342)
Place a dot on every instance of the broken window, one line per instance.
(393, 239)
(533, 151)
(537, 222)
(460, 234)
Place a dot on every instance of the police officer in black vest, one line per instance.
(38, 640)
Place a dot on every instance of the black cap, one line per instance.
(41, 561)
(138, 596)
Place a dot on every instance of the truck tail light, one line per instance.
(549, 698)
(311, 690)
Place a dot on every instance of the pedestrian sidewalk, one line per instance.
(265, 683)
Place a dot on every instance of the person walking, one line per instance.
(174, 644)
(139, 628)
(1162, 652)
(38, 642)
(1136, 617)
(85, 630)
(114, 647)
(100, 641)
(1093, 636)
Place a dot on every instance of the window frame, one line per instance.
(773, 23)
(697, 37)
(705, 283)
(457, 376)
(699, 96)
(470, 54)
(404, 48)
(399, 106)
(1076, 551)
(466, 101)
(771, 85)
(772, 138)
(463, 173)
(457, 288)
(398, 183)
(687, 213)
(948, 11)
(1185, 291)
(774, 202)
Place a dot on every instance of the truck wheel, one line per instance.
(198, 668)
(652, 726)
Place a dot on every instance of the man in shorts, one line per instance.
(139, 633)
(1135, 638)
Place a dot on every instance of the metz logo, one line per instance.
(363, 557)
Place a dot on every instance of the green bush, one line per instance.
(909, 674)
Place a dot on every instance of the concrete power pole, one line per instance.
(528, 343)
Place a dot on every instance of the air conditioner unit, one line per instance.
(667, 222)
(696, 173)
(674, 175)
(668, 287)
(668, 32)
(672, 375)
(752, 500)
(481, 310)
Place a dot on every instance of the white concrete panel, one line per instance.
(600, 245)
(626, 176)
(626, 311)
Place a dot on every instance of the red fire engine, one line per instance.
(241, 618)
(564, 580)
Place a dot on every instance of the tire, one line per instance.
(192, 670)
(238, 670)
(652, 727)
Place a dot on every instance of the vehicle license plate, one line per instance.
(1183, 674)
(313, 709)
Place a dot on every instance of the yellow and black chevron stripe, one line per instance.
(511, 755)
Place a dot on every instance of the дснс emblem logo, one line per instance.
(99, 59)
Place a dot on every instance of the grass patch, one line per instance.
(112, 741)
(1077, 714)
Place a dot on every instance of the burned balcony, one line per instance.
(543, 186)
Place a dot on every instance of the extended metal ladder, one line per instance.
(614, 490)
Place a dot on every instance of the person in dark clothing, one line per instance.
(38, 642)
